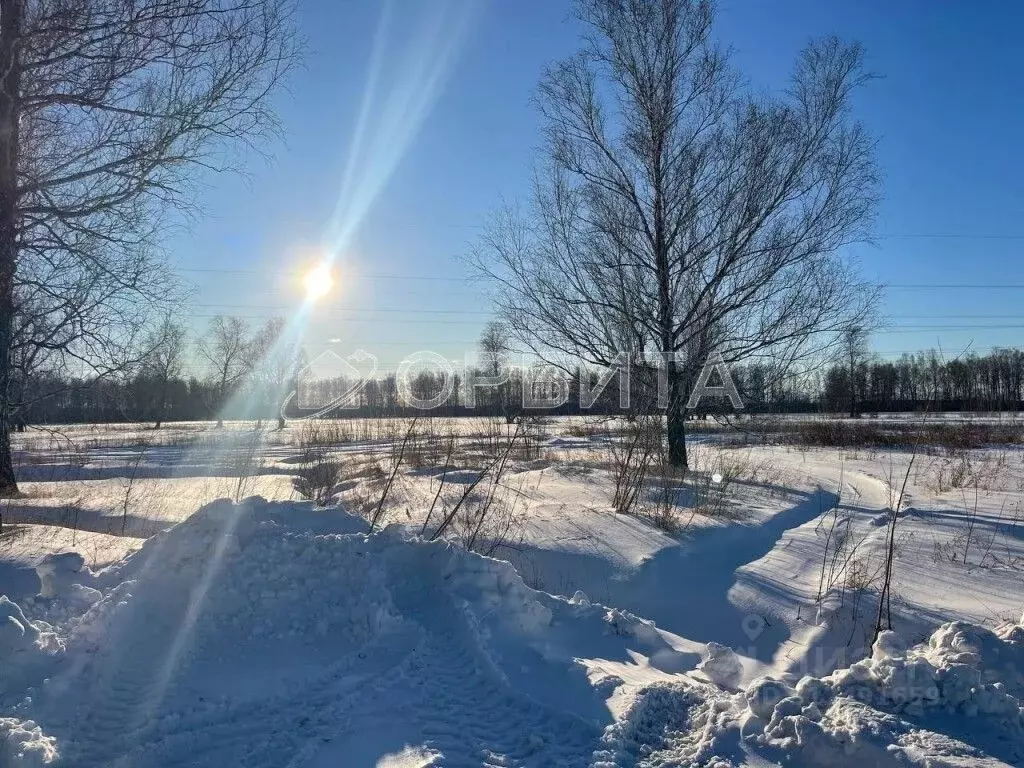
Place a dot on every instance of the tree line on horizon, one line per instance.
(249, 373)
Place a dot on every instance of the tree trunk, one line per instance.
(853, 389)
(162, 405)
(675, 418)
(10, 88)
(675, 412)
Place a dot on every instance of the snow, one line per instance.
(889, 708)
(266, 632)
(272, 632)
(722, 666)
(18, 636)
(927, 705)
(764, 693)
(60, 573)
(23, 744)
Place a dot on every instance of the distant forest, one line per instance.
(917, 382)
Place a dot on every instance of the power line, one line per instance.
(465, 279)
(922, 328)
(958, 317)
(944, 236)
(412, 226)
(958, 286)
(476, 313)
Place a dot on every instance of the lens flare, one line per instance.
(412, 57)
(407, 73)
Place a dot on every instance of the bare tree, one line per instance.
(164, 363)
(495, 348)
(855, 350)
(276, 357)
(228, 350)
(676, 212)
(107, 110)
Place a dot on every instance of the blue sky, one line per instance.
(947, 112)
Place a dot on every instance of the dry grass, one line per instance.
(844, 433)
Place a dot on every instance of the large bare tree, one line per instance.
(677, 212)
(108, 108)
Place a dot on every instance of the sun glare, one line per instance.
(319, 282)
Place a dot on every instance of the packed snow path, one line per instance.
(692, 590)
(701, 589)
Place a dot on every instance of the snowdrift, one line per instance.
(954, 701)
(275, 634)
(268, 634)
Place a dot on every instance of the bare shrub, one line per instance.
(494, 435)
(128, 486)
(844, 568)
(710, 483)
(245, 461)
(631, 456)
(492, 516)
(584, 427)
(664, 510)
(319, 433)
(860, 576)
(440, 486)
(398, 456)
(955, 472)
(368, 484)
(317, 478)
(428, 446)
(486, 515)
(531, 437)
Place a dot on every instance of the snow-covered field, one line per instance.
(733, 629)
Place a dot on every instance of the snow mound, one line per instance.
(59, 573)
(722, 666)
(954, 697)
(270, 634)
(23, 745)
(24, 646)
(671, 725)
(963, 668)
(954, 700)
(18, 636)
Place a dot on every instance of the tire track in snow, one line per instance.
(457, 702)
(427, 680)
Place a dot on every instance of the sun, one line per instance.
(319, 282)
